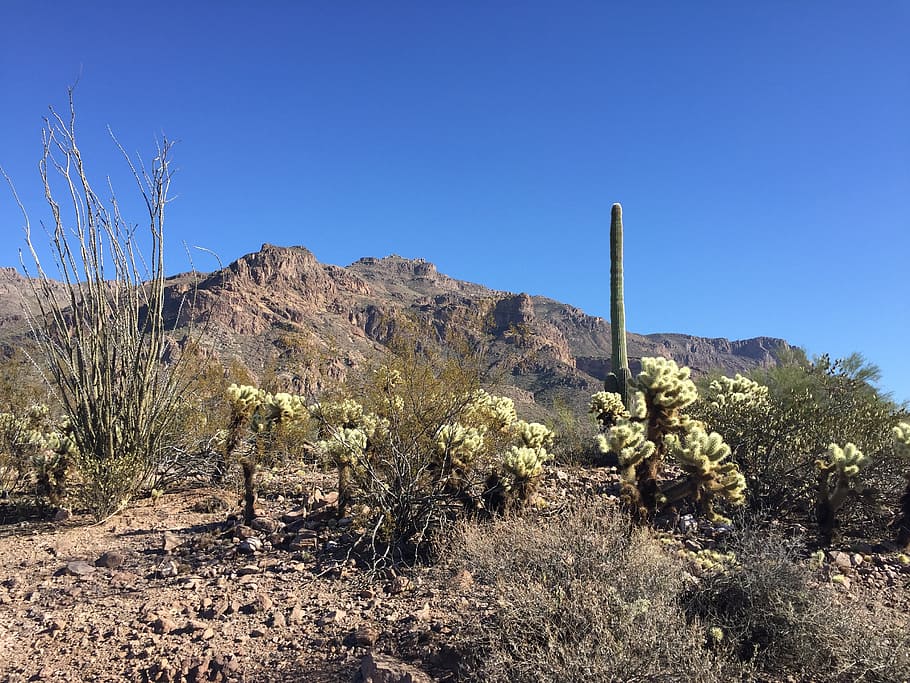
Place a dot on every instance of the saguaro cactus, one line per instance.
(618, 380)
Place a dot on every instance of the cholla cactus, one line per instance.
(516, 479)
(280, 409)
(260, 412)
(654, 428)
(607, 407)
(533, 434)
(902, 449)
(667, 387)
(901, 435)
(485, 409)
(245, 399)
(523, 463)
(703, 457)
(31, 450)
(457, 446)
(627, 440)
(737, 392)
(837, 476)
(349, 434)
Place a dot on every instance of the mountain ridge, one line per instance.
(266, 305)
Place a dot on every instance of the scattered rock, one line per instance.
(112, 559)
(250, 546)
(170, 542)
(842, 561)
(163, 625)
(262, 603)
(242, 532)
(376, 668)
(79, 568)
(362, 636)
(336, 616)
(168, 569)
(265, 525)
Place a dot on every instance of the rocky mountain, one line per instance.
(281, 308)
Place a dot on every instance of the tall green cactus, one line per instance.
(618, 380)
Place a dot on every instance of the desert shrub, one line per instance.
(419, 443)
(782, 420)
(584, 597)
(575, 434)
(102, 337)
(192, 449)
(773, 622)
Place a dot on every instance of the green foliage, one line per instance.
(33, 454)
(901, 524)
(901, 433)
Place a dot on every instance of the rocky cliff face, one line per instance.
(268, 306)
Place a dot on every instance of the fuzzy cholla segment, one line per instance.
(737, 392)
(523, 463)
(627, 440)
(607, 408)
(704, 458)
(486, 409)
(533, 434)
(459, 443)
(245, 399)
(902, 439)
(848, 461)
(666, 384)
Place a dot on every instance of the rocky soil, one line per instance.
(178, 590)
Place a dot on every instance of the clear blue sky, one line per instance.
(761, 150)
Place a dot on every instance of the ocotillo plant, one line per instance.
(618, 380)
